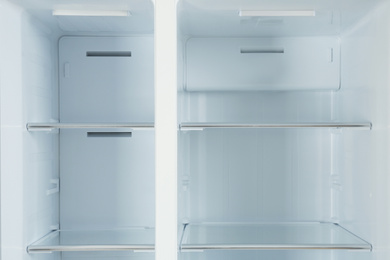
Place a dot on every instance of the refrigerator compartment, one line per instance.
(188, 126)
(95, 74)
(53, 126)
(275, 64)
(269, 236)
(134, 239)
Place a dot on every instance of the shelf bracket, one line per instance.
(56, 189)
(54, 227)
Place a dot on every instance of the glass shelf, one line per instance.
(269, 236)
(52, 126)
(135, 239)
(201, 126)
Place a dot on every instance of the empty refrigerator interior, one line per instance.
(77, 123)
(283, 129)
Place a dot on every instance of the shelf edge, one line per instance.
(276, 247)
(71, 248)
(52, 126)
(201, 126)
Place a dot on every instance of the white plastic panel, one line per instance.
(228, 23)
(266, 107)
(221, 17)
(108, 255)
(215, 64)
(106, 182)
(40, 151)
(257, 175)
(258, 255)
(106, 88)
(364, 157)
(28, 162)
(97, 25)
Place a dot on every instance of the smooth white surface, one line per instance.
(106, 182)
(239, 64)
(257, 175)
(40, 100)
(259, 254)
(123, 255)
(28, 162)
(244, 107)
(364, 199)
(166, 129)
(276, 13)
(106, 89)
(68, 12)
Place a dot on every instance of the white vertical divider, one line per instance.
(166, 128)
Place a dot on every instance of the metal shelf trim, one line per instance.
(270, 236)
(52, 126)
(135, 239)
(275, 247)
(74, 248)
(200, 126)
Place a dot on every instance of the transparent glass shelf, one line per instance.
(53, 126)
(270, 236)
(201, 126)
(136, 239)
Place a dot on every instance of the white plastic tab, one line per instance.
(185, 182)
(336, 182)
(56, 189)
(330, 55)
(55, 227)
(67, 70)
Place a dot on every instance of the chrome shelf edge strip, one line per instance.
(49, 126)
(193, 126)
(47, 249)
(276, 247)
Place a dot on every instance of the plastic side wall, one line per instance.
(28, 161)
(364, 156)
